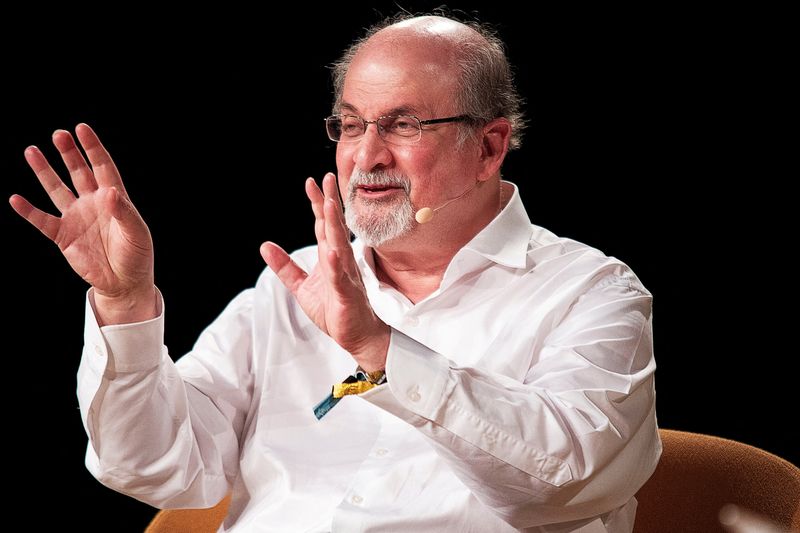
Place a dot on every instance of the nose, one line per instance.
(371, 150)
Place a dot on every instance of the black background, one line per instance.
(643, 141)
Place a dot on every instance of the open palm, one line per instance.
(99, 231)
(333, 294)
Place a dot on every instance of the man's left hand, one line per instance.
(333, 294)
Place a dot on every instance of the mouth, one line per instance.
(377, 191)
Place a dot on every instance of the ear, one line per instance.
(494, 140)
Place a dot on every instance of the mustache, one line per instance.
(377, 178)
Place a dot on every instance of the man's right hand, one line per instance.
(100, 233)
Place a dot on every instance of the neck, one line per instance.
(416, 274)
(415, 264)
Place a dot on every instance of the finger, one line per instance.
(336, 271)
(59, 193)
(337, 237)
(317, 206)
(331, 188)
(340, 278)
(44, 222)
(105, 171)
(291, 275)
(316, 197)
(79, 171)
(336, 231)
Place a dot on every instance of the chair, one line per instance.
(697, 475)
(190, 520)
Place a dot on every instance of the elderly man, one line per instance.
(455, 368)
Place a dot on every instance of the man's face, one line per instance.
(393, 180)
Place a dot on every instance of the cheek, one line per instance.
(344, 160)
(343, 183)
(426, 164)
(441, 174)
(416, 161)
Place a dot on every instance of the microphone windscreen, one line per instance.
(424, 215)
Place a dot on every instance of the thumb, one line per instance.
(290, 274)
(120, 207)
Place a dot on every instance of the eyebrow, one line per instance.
(404, 109)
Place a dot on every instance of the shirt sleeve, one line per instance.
(575, 439)
(163, 433)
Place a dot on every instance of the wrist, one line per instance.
(134, 306)
(371, 357)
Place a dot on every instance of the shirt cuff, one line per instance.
(133, 347)
(418, 381)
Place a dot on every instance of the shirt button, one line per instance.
(356, 499)
(490, 440)
(380, 452)
(98, 350)
(412, 321)
(414, 396)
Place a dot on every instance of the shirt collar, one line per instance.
(504, 240)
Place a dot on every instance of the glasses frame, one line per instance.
(382, 131)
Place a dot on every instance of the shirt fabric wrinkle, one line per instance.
(485, 425)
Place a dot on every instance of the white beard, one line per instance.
(376, 221)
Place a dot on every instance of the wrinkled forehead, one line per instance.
(401, 75)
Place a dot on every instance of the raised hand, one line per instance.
(99, 231)
(333, 295)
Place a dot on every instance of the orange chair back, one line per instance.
(190, 520)
(698, 474)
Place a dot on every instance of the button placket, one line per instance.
(367, 478)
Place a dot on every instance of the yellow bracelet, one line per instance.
(359, 382)
(343, 389)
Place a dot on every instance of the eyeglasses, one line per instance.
(397, 129)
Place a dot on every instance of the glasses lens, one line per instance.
(352, 127)
(343, 128)
(333, 125)
(403, 127)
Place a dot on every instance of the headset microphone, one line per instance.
(425, 214)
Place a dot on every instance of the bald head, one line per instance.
(467, 55)
(431, 43)
(436, 32)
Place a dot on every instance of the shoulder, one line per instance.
(578, 264)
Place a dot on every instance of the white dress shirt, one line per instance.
(520, 397)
